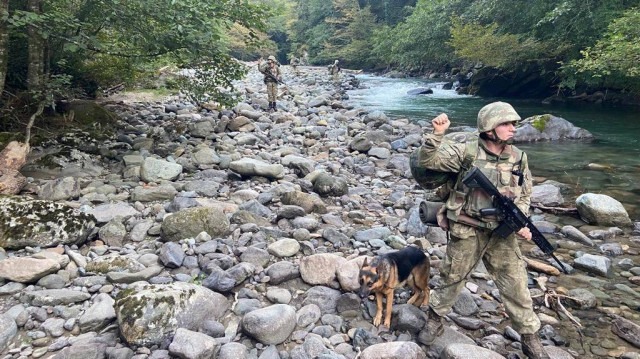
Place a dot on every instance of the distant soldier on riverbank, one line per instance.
(272, 76)
(334, 70)
(294, 63)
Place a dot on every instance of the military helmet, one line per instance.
(272, 58)
(494, 114)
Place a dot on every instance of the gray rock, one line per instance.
(106, 212)
(547, 195)
(602, 210)
(202, 129)
(213, 328)
(361, 144)
(270, 325)
(152, 194)
(83, 350)
(335, 237)
(465, 305)
(581, 298)
(324, 297)
(119, 353)
(233, 351)
(171, 254)
(300, 165)
(253, 167)
(56, 297)
(290, 212)
(256, 256)
(468, 351)
(99, 315)
(52, 281)
(42, 223)
(8, 330)
(113, 233)
(285, 247)
(149, 314)
(329, 186)
(187, 344)
(154, 170)
(379, 152)
(126, 277)
(191, 221)
(205, 157)
(309, 314)
(310, 203)
(447, 338)
(282, 271)
(372, 233)
(139, 231)
(390, 350)
(594, 264)
(320, 269)
(575, 234)
(549, 128)
(60, 189)
(203, 188)
(626, 330)
(408, 317)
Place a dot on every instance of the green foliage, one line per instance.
(617, 53)
(212, 81)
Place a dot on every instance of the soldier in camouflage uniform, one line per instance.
(272, 76)
(334, 70)
(471, 238)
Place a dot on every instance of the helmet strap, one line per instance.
(498, 140)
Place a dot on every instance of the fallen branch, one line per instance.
(541, 267)
(570, 210)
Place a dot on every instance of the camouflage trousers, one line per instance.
(272, 91)
(336, 78)
(503, 260)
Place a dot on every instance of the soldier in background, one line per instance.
(272, 76)
(294, 63)
(334, 70)
(472, 237)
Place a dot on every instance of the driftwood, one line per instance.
(562, 210)
(12, 158)
(541, 267)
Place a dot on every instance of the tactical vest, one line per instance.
(464, 204)
(430, 179)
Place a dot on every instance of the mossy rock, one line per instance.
(150, 314)
(540, 122)
(191, 221)
(88, 113)
(115, 263)
(39, 223)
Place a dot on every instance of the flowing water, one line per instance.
(617, 132)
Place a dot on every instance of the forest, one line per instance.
(83, 48)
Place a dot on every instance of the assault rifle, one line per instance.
(510, 216)
(268, 73)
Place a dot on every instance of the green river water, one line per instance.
(617, 132)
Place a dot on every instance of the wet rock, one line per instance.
(602, 210)
(575, 235)
(626, 330)
(149, 314)
(37, 223)
(27, 270)
(405, 350)
(594, 264)
(581, 298)
(270, 325)
(191, 221)
(154, 170)
(187, 344)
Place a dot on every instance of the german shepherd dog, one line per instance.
(390, 270)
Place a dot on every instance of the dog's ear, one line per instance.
(364, 264)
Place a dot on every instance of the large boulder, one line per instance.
(602, 210)
(191, 221)
(549, 128)
(150, 314)
(320, 269)
(27, 270)
(547, 195)
(155, 170)
(38, 223)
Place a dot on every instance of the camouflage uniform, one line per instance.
(272, 84)
(471, 234)
(334, 70)
(294, 63)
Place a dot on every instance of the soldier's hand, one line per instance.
(525, 233)
(440, 124)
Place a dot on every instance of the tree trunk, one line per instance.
(35, 74)
(4, 44)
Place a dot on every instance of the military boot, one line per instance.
(433, 329)
(532, 347)
(274, 106)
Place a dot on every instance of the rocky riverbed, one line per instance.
(198, 233)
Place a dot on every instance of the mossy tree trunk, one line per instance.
(35, 73)
(4, 43)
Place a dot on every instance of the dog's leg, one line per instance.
(378, 318)
(387, 315)
(425, 301)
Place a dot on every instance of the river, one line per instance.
(617, 132)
